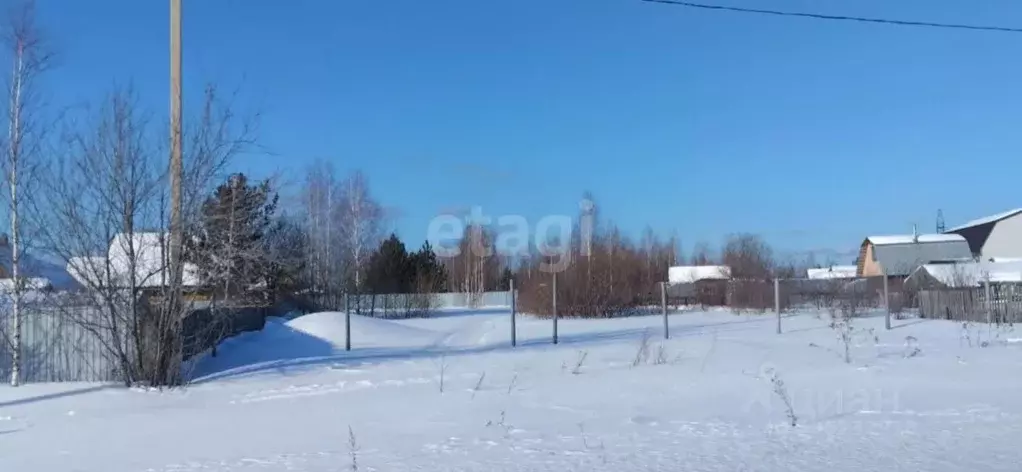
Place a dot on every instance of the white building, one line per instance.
(995, 236)
(150, 254)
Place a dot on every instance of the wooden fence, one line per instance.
(970, 304)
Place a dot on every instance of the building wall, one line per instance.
(1005, 239)
(870, 267)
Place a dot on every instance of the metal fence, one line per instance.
(404, 305)
(59, 346)
(55, 349)
(793, 294)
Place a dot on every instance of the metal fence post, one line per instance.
(887, 304)
(777, 302)
(514, 341)
(347, 323)
(555, 306)
(663, 307)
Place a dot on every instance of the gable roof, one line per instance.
(835, 272)
(973, 273)
(899, 255)
(987, 220)
(150, 258)
(910, 239)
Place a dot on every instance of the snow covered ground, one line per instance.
(915, 398)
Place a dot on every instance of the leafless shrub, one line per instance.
(442, 367)
(841, 323)
(642, 354)
(353, 449)
(781, 390)
(502, 423)
(479, 384)
(966, 333)
(579, 362)
(912, 347)
(661, 355)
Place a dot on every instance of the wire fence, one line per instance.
(422, 305)
(762, 295)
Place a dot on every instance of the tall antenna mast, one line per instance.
(940, 221)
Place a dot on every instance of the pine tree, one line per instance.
(230, 246)
(430, 274)
(390, 268)
(505, 279)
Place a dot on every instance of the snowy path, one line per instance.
(950, 408)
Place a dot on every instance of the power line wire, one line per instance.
(819, 16)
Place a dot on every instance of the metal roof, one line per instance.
(987, 219)
(902, 259)
(919, 238)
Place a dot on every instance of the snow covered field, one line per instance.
(285, 398)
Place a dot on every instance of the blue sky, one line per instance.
(811, 133)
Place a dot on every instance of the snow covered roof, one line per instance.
(690, 274)
(910, 239)
(834, 272)
(30, 283)
(987, 219)
(899, 256)
(972, 274)
(151, 259)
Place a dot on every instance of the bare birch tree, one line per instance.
(361, 226)
(25, 133)
(105, 184)
(107, 217)
(325, 262)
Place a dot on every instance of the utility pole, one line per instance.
(176, 167)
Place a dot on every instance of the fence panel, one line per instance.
(55, 349)
(970, 304)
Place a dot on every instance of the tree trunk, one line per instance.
(14, 152)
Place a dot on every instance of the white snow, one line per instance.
(910, 239)
(987, 219)
(148, 252)
(28, 283)
(972, 274)
(691, 274)
(833, 272)
(923, 396)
